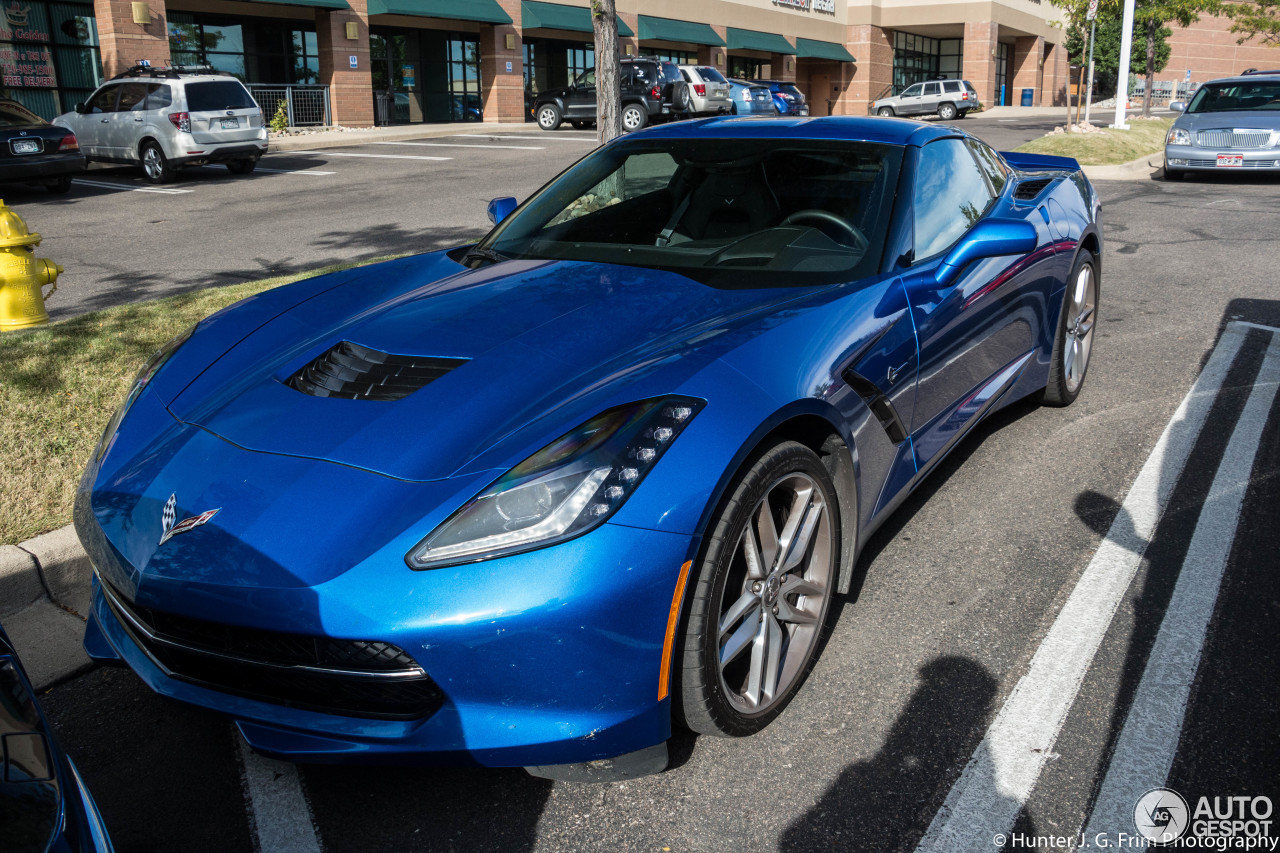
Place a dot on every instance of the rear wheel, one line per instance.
(155, 166)
(633, 117)
(59, 185)
(1073, 343)
(887, 112)
(758, 611)
(947, 112)
(549, 117)
(242, 167)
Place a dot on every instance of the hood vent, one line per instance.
(1028, 190)
(354, 372)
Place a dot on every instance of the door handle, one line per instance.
(105, 120)
(137, 118)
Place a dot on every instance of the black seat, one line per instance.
(728, 203)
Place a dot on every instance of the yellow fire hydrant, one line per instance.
(22, 274)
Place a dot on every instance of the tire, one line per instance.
(59, 185)
(947, 112)
(581, 125)
(549, 116)
(242, 167)
(887, 112)
(155, 166)
(961, 114)
(1173, 174)
(735, 587)
(1073, 342)
(682, 98)
(634, 117)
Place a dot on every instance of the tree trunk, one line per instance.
(1151, 67)
(604, 20)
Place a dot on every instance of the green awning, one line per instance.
(666, 29)
(814, 49)
(484, 11)
(316, 4)
(755, 40)
(555, 16)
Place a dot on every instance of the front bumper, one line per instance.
(1192, 158)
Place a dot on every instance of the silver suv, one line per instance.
(948, 99)
(167, 118)
(707, 90)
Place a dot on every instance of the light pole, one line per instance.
(1126, 49)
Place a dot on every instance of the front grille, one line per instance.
(1248, 164)
(354, 372)
(1028, 190)
(359, 678)
(1227, 138)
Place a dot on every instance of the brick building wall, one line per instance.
(1209, 49)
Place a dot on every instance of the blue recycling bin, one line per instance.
(1028, 97)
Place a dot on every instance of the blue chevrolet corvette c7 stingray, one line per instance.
(530, 501)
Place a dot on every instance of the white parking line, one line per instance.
(999, 778)
(131, 187)
(464, 145)
(371, 156)
(1149, 740)
(295, 171)
(555, 137)
(280, 818)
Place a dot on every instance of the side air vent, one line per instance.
(354, 372)
(1028, 190)
(879, 405)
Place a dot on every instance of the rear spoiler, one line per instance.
(1039, 162)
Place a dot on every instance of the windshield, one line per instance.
(726, 212)
(1262, 95)
(13, 114)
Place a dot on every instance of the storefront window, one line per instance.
(255, 50)
(917, 58)
(425, 75)
(49, 57)
(679, 57)
(746, 68)
(551, 63)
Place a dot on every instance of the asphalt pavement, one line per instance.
(915, 722)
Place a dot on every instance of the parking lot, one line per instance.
(962, 600)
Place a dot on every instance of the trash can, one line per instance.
(1028, 97)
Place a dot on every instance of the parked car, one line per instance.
(707, 92)
(648, 88)
(44, 804)
(166, 118)
(750, 99)
(787, 97)
(520, 502)
(34, 151)
(947, 99)
(1232, 123)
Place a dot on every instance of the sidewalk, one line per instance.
(304, 139)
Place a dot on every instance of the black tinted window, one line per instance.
(992, 164)
(931, 88)
(217, 95)
(15, 115)
(951, 86)
(950, 196)
(104, 101)
(710, 75)
(158, 95)
(132, 96)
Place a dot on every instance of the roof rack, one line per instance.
(171, 72)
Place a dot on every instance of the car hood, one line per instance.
(528, 338)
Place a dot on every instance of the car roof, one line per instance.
(1248, 77)
(894, 131)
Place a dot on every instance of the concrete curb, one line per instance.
(1144, 168)
(365, 135)
(44, 600)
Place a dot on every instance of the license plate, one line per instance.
(26, 146)
(1230, 160)
(230, 123)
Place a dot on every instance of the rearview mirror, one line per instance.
(81, 108)
(500, 208)
(990, 238)
(1178, 106)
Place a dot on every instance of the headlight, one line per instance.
(1177, 136)
(145, 375)
(570, 486)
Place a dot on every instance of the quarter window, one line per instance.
(950, 196)
(992, 165)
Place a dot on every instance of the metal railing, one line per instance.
(1163, 90)
(304, 105)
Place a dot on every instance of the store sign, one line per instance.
(26, 66)
(15, 26)
(825, 6)
(794, 4)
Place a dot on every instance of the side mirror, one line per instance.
(990, 238)
(500, 208)
(1178, 106)
(81, 108)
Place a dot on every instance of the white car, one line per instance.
(167, 118)
(708, 91)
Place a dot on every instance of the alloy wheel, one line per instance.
(152, 163)
(1080, 322)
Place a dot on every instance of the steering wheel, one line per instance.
(818, 217)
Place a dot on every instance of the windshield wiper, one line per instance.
(475, 253)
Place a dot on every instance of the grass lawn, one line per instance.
(1108, 147)
(60, 383)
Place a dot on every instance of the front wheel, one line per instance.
(1173, 174)
(758, 611)
(947, 112)
(155, 166)
(1073, 343)
(886, 112)
(549, 117)
(633, 117)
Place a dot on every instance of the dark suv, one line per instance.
(647, 94)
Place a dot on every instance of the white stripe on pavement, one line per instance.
(280, 818)
(554, 137)
(295, 171)
(371, 156)
(986, 799)
(131, 187)
(1149, 740)
(465, 145)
